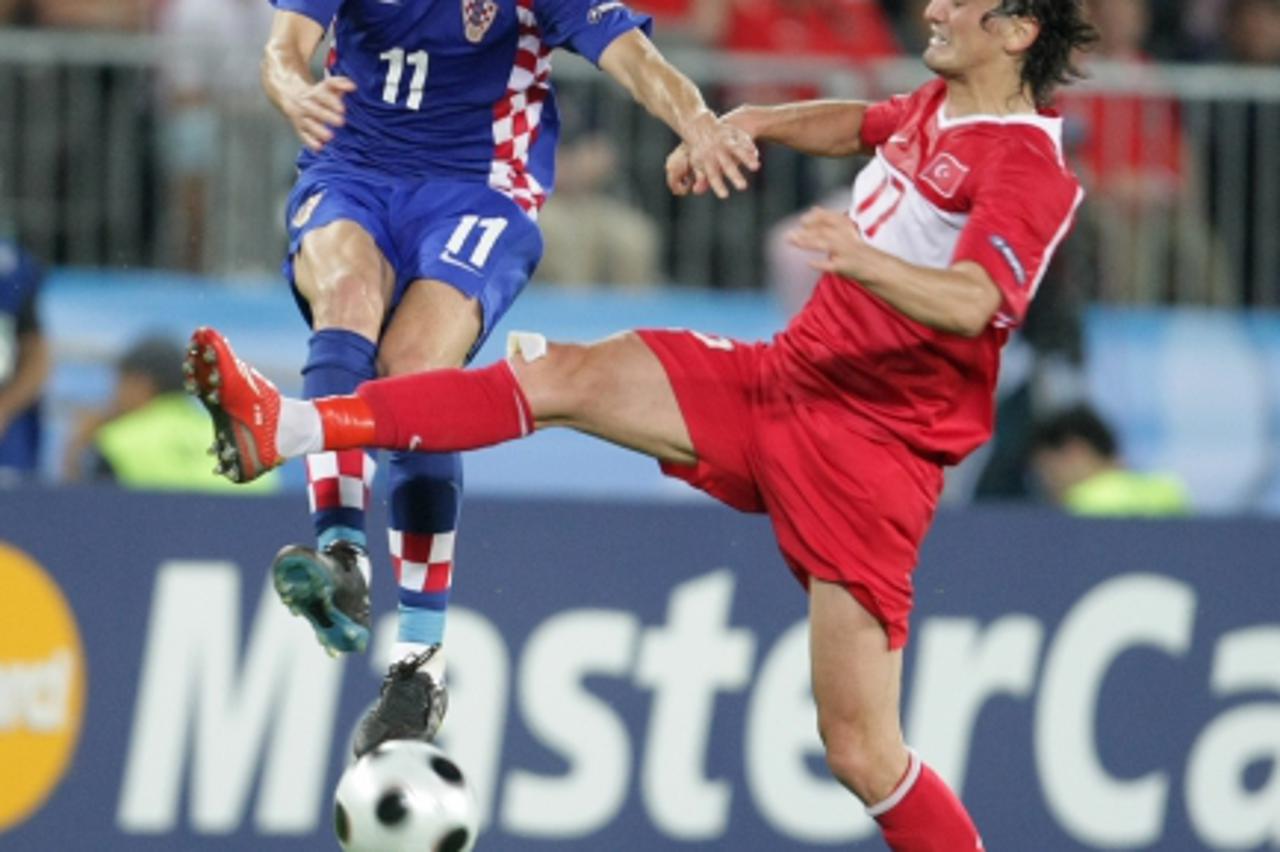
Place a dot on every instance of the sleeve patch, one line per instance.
(1001, 245)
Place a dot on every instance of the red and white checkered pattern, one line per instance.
(517, 118)
(423, 562)
(339, 479)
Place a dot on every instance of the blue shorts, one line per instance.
(460, 232)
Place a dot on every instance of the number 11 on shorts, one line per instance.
(491, 227)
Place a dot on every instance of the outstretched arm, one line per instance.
(718, 152)
(313, 108)
(960, 300)
(825, 128)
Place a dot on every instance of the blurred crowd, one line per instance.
(1170, 30)
(1152, 234)
(1162, 178)
(1181, 30)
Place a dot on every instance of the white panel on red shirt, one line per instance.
(927, 179)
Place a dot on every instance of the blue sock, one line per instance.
(338, 483)
(425, 501)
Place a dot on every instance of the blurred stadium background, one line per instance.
(1118, 681)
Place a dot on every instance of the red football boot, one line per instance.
(244, 405)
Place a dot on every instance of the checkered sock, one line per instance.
(338, 482)
(425, 497)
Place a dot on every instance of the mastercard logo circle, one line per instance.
(42, 686)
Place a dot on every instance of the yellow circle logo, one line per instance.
(42, 686)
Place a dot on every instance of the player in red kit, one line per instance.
(841, 426)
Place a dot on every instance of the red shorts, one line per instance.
(847, 507)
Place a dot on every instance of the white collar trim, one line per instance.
(1051, 125)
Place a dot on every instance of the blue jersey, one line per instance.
(20, 279)
(457, 88)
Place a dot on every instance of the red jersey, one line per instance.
(992, 190)
(853, 29)
(1127, 136)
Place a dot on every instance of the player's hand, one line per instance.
(714, 156)
(316, 110)
(680, 177)
(836, 238)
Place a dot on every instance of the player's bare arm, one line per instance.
(313, 108)
(718, 152)
(821, 128)
(960, 300)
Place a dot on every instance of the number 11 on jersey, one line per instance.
(396, 59)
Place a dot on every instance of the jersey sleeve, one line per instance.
(881, 119)
(587, 26)
(320, 11)
(1023, 207)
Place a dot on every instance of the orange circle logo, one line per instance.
(42, 686)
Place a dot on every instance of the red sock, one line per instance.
(436, 411)
(923, 815)
(346, 422)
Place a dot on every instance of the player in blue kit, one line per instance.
(429, 149)
(26, 360)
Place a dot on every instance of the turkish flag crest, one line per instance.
(945, 174)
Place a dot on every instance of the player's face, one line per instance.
(1058, 469)
(963, 36)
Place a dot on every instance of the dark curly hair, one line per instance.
(1063, 29)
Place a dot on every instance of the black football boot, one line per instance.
(411, 705)
(328, 589)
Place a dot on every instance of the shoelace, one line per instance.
(409, 666)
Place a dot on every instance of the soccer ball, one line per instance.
(404, 795)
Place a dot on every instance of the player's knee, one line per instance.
(401, 356)
(854, 767)
(347, 300)
(404, 360)
(555, 377)
(861, 760)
